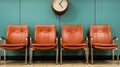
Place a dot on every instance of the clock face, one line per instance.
(60, 5)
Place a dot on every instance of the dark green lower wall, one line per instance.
(80, 12)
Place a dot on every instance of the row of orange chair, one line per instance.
(72, 39)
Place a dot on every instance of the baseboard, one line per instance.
(53, 57)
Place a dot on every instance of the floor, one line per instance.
(102, 63)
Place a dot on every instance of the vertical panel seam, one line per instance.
(59, 27)
(19, 12)
(94, 11)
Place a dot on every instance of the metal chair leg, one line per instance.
(92, 55)
(113, 55)
(0, 56)
(117, 55)
(61, 56)
(86, 53)
(57, 55)
(31, 55)
(26, 56)
(4, 56)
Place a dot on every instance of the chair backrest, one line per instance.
(45, 34)
(16, 34)
(101, 34)
(72, 34)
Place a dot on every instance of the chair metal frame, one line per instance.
(117, 51)
(85, 49)
(4, 39)
(31, 51)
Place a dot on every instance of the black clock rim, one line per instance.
(60, 12)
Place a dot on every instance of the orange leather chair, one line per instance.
(73, 39)
(101, 39)
(16, 39)
(44, 39)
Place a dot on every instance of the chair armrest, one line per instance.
(90, 39)
(57, 38)
(27, 40)
(61, 42)
(30, 38)
(115, 39)
(86, 40)
(57, 41)
(2, 38)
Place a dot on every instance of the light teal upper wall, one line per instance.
(80, 12)
(8, 14)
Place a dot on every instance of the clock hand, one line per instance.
(60, 3)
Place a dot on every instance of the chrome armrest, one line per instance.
(26, 40)
(61, 42)
(86, 40)
(3, 38)
(91, 39)
(57, 41)
(30, 41)
(115, 39)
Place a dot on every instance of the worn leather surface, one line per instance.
(44, 48)
(105, 45)
(13, 48)
(75, 45)
(45, 37)
(102, 38)
(72, 37)
(16, 37)
(74, 48)
(43, 45)
(12, 45)
(104, 48)
(16, 34)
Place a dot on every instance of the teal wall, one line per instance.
(80, 12)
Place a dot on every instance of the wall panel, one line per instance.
(80, 12)
(108, 12)
(9, 14)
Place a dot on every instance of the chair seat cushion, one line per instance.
(105, 45)
(74, 48)
(43, 45)
(43, 48)
(104, 48)
(12, 46)
(74, 45)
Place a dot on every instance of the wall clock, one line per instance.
(59, 6)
